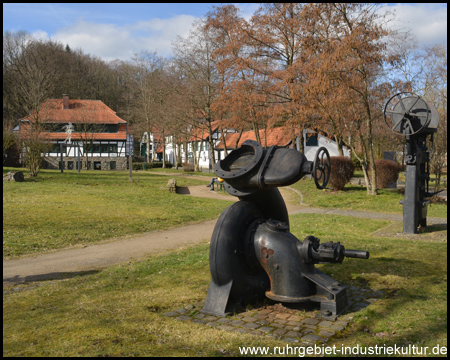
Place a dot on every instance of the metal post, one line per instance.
(129, 166)
(78, 158)
(61, 151)
(410, 203)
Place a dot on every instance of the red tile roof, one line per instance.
(48, 136)
(200, 132)
(281, 136)
(86, 111)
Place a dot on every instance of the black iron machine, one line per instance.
(409, 115)
(252, 253)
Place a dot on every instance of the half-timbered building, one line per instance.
(85, 132)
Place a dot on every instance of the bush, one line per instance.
(387, 172)
(356, 163)
(150, 165)
(159, 164)
(342, 169)
(136, 166)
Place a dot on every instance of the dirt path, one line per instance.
(89, 258)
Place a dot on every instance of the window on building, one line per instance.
(56, 148)
(112, 128)
(70, 165)
(312, 139)
(97, 165)
(112, 165)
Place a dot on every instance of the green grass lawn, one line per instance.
(57, 210)
(119, 311)
(354, 197)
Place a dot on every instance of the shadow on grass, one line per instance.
(435, 228)
(184, 190)
(415, 291)
(50, 276)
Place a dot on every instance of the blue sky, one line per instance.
(118, 31)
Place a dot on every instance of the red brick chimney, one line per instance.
(65, 101)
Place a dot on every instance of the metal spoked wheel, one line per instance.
(322, 168)
(406, 115)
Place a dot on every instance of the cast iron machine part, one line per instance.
(409, 115)
(252, 253)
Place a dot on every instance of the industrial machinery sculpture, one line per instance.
(409, 115)
(252, 253)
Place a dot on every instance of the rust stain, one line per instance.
(265, 253)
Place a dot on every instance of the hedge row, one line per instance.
(140, 166)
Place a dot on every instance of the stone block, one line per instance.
(312, 338)
(251, 326)
(265, 329)
(172, 185)
(14, 176)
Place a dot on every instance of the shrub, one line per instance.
(356, 162)
(387, 172)
(150, 165)
(136, 166)
(342, 169)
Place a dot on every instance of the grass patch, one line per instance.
(119, 311)
(355, 197)
(56, 210)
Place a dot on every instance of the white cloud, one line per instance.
(121, 42)
(109, 41)
(428, 22)
(40, 35)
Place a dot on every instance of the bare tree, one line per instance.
(31, 64)
(194, 58)
(148, 67)
(9, 138)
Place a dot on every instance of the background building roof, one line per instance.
(84, 111)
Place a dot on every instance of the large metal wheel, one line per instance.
(322, 168)
(406, 115)
(231, 252)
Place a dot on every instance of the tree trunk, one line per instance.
(179, 153)
(175, 152)
(339, 145)
(164, 151)
(153, 149)
(225, 150)
(211, 143)
(302, 142)
(148, 147)
(238, 138)
(256, 129)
